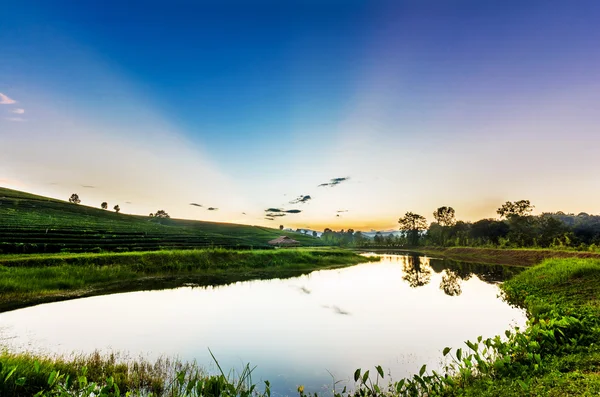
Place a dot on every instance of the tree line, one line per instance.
(516, 227)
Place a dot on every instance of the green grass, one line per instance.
(33, 224)
(31, 279)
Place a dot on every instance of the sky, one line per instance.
(242, 106)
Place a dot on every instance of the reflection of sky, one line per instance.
(291, 329)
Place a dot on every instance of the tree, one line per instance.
(523, 230)
(489, 231)
(161, 214)
(436, 234)
(550, 229)
(104, 205)
(378, 238)
(444, 216)
(314, 233)
(117, 208)
(412, 224)
(151, 215)
(519, 208)
(280, 227)
(74, 199)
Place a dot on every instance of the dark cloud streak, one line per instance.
(334, 182)
(301, 199)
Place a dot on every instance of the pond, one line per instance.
(399, 313)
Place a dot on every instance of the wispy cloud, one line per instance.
(88, 186)
(273, 211)
(275, 215)
(342, 210)
(15, 119)
(196, 204)
(301, 199)
(334, 182)
(5, 100)
(18, 111)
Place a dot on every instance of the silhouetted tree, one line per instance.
(280, 227)
(444, 216)
(161, 214)
(314, 233)
(104, 205)
(520, 208)
(151, 215)
(74, 199)
(117, 208)
(412, 224)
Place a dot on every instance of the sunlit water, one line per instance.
(399, 313)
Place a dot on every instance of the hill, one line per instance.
(35, 224)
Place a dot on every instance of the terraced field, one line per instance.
(36, 224)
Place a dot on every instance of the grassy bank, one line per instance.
(32, 279)
(505, 256)
(559, 353)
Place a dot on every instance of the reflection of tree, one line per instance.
(417, 271)
(451, 283)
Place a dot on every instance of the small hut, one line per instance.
(284, 241)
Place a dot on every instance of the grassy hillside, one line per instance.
(35, 224)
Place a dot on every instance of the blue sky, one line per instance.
(246, 105)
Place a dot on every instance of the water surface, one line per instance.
(399, 313)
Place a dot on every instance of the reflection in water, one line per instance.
(451, 283)
(296, 330)
(417, 271)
